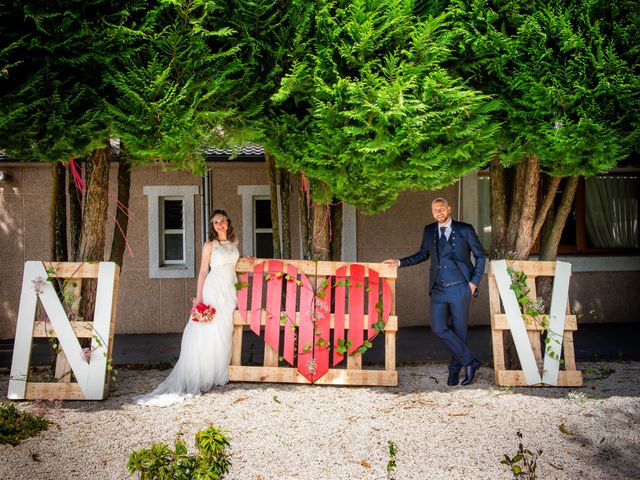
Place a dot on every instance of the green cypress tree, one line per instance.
(567, 76)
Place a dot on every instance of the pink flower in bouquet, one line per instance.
(202, 313)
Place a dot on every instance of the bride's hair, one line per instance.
(213, 235)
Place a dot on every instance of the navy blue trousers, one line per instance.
(449, 314)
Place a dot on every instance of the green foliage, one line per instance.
(160, 462)
(52, 92)
(369, 110)
(391, 463)
(523, 464)
(343, 346)
(177, 84)
(16, 425)
(566, 73)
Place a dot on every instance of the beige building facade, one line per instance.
(155, 292)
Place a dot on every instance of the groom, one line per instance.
(453, 279)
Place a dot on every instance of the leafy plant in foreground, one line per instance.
(160, 462)
(523, 464)
(16, 425)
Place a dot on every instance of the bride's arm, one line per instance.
(207, 248)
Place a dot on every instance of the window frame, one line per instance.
(164, 231)
(155, 196)
(254, 220)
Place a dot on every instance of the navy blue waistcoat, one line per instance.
(448, 271)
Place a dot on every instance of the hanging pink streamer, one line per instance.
(77, 178)
(126, 242)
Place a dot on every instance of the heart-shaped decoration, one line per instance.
(356, 300)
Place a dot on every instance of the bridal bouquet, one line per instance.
(202, 313)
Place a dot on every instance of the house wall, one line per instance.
(161, 305)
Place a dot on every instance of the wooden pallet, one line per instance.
(569, 377)
(272, 303)
(93, 376)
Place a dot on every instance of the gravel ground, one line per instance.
(320, 432)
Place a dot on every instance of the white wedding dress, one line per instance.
(205, 351)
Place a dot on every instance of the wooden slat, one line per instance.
(256, 298)
(390, 351)
(53, 391)
(391, 325)
(568, 351)
(339, 318)
(72, 269)
(500, 322)
(323, 328)
(566, 378)
(305, 328)
(372, 311)
(236, 345)
(243, 296)
(44, 329)
(290, 313)
(332, 377)
(356, 307)
(63, 368)
(274, 301)
(354, 361)
(498, 350)
(536, 269)
(390, 335)
(321, 268)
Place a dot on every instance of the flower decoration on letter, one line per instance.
(202, 313)
(38, 284)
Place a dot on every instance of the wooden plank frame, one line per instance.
(354, 373)
(569, 377)
(93, 376)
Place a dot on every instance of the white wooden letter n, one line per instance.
(90, 375)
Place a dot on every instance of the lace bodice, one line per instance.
(224, 255)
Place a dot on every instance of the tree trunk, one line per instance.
(336, 231)
(94, 217)
(75, 217)
(285, 199)
(305, 220)
(58, 213)
(498, 208)
(320, 242)
(118, 244)
(273, 192)
(551, 241)
(549, 250)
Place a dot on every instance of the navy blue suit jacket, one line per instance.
(465, 242)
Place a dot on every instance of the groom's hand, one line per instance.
(473, 288)
(392, 261)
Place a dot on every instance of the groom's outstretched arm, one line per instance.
(418, 257)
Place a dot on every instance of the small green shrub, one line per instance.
(16, 425)
(523, 464)
(159, 462)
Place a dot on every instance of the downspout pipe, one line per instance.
(205, 205)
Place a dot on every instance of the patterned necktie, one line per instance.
(443, 237)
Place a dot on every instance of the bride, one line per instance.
(205, 351)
